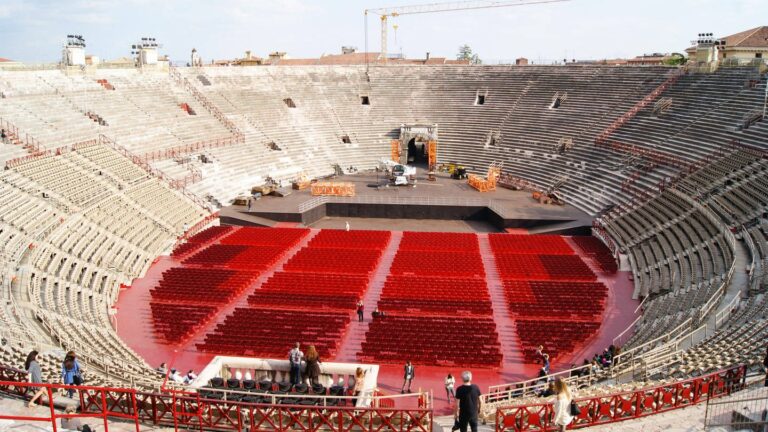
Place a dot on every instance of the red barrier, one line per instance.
(184, 409)
(627, 405)
(95, 402)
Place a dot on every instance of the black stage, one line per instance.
(444, 199)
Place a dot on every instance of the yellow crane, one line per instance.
(387, 12)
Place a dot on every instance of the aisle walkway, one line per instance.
(510, 345)
(353, 340)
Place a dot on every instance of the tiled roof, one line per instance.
(752, 38)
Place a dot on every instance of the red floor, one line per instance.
(134, 326)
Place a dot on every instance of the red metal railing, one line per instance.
(627, 116)
(96, 402)
(184, 409)
(14, 136)
(627, 405)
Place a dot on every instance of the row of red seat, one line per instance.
(359, 239)
(436, 263)
(173, 323)
(311, 290)
(547, 299)
(431, 340)
(270, 332)
(256, 236)
(439, 241)
(557, 336)
(598, 251)
(201, 238)
(330, 260)
(237, 256)
(438, 306)
(530, 244)
(202, 286)
(434, 287)
(543, 267)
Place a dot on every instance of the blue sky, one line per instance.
(34, 30)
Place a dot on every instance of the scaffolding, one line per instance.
(489, 183)
(395, 151)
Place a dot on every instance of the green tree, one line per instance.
(675, 59)
(465, 53)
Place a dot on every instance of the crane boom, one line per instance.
(387, 12)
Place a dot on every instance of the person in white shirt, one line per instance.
(562, 405)
(176, 376)
(450, 382)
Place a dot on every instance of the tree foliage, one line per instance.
(675, 59)
(465, 53)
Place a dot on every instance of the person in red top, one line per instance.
(360, 310)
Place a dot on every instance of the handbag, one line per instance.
(77, 379)
(575, 410)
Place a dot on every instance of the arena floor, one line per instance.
(134, 325)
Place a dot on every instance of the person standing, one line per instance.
(70, 372)
(35, 376)
(468, 404)
(294, 357)
(313, 365)
(360, 311)
(562, 406)
(410, 372)
(357, 389)
(346, 225)
(450, 381)
(545, 361)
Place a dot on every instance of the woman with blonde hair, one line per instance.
(313, 365)
(358, 388)
(562, 405)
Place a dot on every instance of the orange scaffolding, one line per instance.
(486, 184)
(432, 155)
(395, 151)
(333, 189)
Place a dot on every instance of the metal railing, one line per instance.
(746, 411)
(185, 410)
(620, 406)
(96, 402)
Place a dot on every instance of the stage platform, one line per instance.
(444, 199)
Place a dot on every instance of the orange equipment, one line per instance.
(489, 183)
(395, 155)
(332, 189)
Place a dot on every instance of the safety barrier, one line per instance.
(612, 408)
(184, 409)
(96, 402)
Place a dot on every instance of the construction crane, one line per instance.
(385, 13)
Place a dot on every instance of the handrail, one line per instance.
(144, 164)
(626, 405)
(100, 400)
(192, 410)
